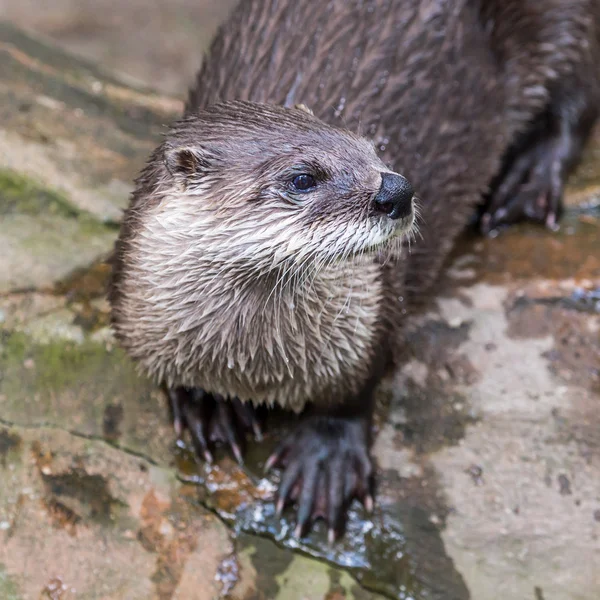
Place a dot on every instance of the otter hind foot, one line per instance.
(212, 419)
(326, 465)
(530, 185)
(531, 189)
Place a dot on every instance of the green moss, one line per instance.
(18, 194)
(8, 588)
(80, 386)
(56, 365)
(23, 196)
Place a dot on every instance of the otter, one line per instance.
(264, 258)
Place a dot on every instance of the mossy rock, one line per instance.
(45, 237)
(89, 387)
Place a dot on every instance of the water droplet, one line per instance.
(230, 363)
(340, 106)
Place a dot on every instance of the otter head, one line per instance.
(264, 186)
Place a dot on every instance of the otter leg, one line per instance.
(211, 419)
(326, 464)
(531, 181)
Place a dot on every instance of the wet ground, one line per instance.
(488, 445)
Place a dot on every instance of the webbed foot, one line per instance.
(326, 465)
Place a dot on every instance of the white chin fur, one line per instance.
(386, 230)
(404, 227)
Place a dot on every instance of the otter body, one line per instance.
(261, 258)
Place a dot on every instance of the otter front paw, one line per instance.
(326, 465)
(211, 419)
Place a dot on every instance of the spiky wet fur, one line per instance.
(212, 288)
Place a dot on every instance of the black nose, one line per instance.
(394, 197)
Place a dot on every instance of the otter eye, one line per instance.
(303, 183)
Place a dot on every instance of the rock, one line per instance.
(86, 520)
(73, 128)
(488, 450)
(72, 139)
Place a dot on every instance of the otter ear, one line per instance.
(187, 163)
(304, 108)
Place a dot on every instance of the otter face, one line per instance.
(268, 186)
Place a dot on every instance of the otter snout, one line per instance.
(395, 196)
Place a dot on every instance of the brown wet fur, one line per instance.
(481, 104)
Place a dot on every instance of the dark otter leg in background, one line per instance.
(547, 53)
(326, 464)
(210, 419)
(531, 182)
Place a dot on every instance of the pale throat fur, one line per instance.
(192, 313)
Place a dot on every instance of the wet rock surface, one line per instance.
(488, 441)
(159, 42)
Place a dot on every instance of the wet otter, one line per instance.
(259, 258)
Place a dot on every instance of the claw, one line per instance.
(500, 214)
(288, 480)
(279, 507)
(175, 404)
(485, 224)
(258, 435)
(306, 502)
(208, 417)
(271, 462)
(278, 454)
(238, 454)
(551, 221)
(331, 536)
(226, 421)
